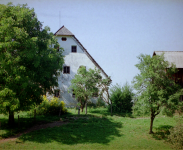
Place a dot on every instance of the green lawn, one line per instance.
(97, 130)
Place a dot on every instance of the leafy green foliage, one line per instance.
(28, 64)
(155, 86)
(100, 102)
(50, 107)
(87, 83)
(121, 98)
(176, 136)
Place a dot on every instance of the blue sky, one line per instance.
(115, 32)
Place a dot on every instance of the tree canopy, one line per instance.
(87, 84)
(29, 59)
(155, 86)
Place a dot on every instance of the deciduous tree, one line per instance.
(155, 85)
(87, 83)
(29, 66)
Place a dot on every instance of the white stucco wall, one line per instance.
(74, 60)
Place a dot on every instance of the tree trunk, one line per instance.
(79, 111)
(151, 124)
(60, 111)
(11, 120)
(111, 108)
(86, 108)
(82, 109)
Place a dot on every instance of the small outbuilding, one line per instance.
(175, 57)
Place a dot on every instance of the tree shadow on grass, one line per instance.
(162, 132)
(83, 130)
(11, 130)
(107, 113)
(22, 124)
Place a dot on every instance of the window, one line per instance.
(74, 49)
(64, 38)
(57, 93)
(66, 70)
(73, 94)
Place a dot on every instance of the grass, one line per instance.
(96, 130)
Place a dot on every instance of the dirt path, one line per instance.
(36, 127)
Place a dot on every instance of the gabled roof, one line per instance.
(175, 57)
(64, 31)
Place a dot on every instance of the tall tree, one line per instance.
(29, 66)
(155, 85)
(87, 83)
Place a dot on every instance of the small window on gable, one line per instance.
(66, 70)
(64, 39)
(57, 93)
(73, 49)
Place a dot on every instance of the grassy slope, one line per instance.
(95, 133)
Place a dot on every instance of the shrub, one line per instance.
(100, 102)
(176, 136)
(50, 107)
(121, 98)
(140, 109)
(91, 104)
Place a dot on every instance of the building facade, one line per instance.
(175, 57)
(75, 55)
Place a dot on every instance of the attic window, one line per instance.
(74, 49)
(66, 70)
(64, 39)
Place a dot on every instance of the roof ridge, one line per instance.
(63, 31)
(59, 29)
(92, 59)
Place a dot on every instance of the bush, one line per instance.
(121, 98)
(100, 102)
(91, 104)
(176, 136)
(140, 109)
(50, 107)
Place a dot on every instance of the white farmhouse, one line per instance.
(75, 56)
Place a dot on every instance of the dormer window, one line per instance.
(64, 39)
(73, 49)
